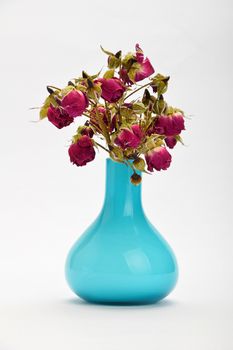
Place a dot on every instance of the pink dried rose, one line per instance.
(170, 141)
(58, 117)
(158, 158)
(146, 68)
(82, 151)
(169, 125)
(129, 137)
(112, 89)
(75, 103)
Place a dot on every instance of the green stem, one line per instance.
(141, 87)
(103, 127)
(108, 115)
(98, 144)
(129, 164)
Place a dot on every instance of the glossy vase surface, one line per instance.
(121, 258)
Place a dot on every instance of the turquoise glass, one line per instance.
(121, 258)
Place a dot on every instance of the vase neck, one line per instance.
(122, 198)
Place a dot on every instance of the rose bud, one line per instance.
(129, 137)
(170, 141)
(59, 117)
(146, 69)
(112, 89)
(158, 158)
(136, 179)
(139, 164)
(74, 103)
(169, 125)
(82, 151)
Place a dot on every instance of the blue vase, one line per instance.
(121, 258)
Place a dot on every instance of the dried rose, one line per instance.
(169, 125)
(74, 103)
(170, 141)
(146, 68)
(82, 151)
(58, 117)
(158, 158)
(112, 89)
(129, 137)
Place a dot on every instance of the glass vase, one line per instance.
(121, 258)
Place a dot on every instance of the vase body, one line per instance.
(121, 258)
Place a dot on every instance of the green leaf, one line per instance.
(147, 98)
(105, 51)
(160, 83)
(70, 83)
(75, 138)
(84, 74)
(118, 54)
(43, 112)
(81, 87)
(90, 83)
(113, 62)
(95, 75)
(169, 110)
(161, 88)
(126, 112)
(117, 153)
(44, 108)
(65, 91)
(128, 60)
(160, 77)
(133, 70)
(109, 74)
(179, 139)
(139, 107)
(160, 106)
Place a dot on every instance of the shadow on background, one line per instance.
(161, 304)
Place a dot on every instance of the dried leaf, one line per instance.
(109, 74)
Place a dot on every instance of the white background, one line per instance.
(46, 203)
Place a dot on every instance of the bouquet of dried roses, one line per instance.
(136, 129)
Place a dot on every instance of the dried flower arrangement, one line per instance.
(137, 130)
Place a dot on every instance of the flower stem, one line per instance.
(141, 87)
(98, 144)
(130, 165)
